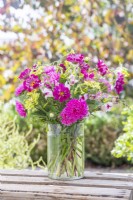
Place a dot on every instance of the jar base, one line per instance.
(65, 178)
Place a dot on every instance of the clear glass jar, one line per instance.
(65, 151)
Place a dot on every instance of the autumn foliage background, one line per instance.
(33, 31)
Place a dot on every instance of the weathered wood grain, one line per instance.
(125, 184)
(35, 185)
(72, 191)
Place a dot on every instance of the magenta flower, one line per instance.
(63, 67)
(91, 76)
(25, 74)
(19, 90)
(87, 76)
(61, 93)
(84, 65)
(75, 58)
(102, 67)
(119, 83)
(75, 110)
(85, 73)
(31, 83)
(20, 109)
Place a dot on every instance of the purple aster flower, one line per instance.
(19, 89)
(34, 67)
(119, 83)
(85, 73)
(87, 76)
(54, 78)
(49, 69)
(20, 109)
(61, 93)
(31, 83)
(102, 67)
(75, 110)
(75, 58)
(84, 65)
(25, 74)
(63, 67)
(51, 76)
(91, 76)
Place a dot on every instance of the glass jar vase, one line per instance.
(65, 151)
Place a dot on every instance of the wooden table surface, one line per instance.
(35, 185)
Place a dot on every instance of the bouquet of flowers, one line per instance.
(65, 93)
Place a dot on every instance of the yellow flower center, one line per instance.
(61, 93)
(32, 83)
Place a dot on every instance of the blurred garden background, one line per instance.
(42, 31)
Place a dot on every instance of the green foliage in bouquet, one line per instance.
(124, 144)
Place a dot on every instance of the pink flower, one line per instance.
(102, 67)
(54, 78)
(47, 92)
(49, 69)
(87, 76)
(72, 79)
(75, 58)
(61, 93)
(63, 67)
(51, 76)
(84, 97)
(75, 110)
(119, 83)
(84, 65)
(25, 74)
(31, 83)
(107, 107)
(20, 109)
(106, 83)
(19, 90)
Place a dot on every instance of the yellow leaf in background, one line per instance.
(8, 92)
(130, 55)
(118, 59)
(2, 81)
(87, 40)
(69, 2)
(2, 68)
(104, 53)
(76, 8)
(117, 44)
(98, 19)
(108, 16)
(15, 67)
(17, 28)
(15, 80)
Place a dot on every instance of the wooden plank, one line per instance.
(82, 182)
(109, 176)
(88, 174)
(72, 191)
(35, 185)
(41, 196)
